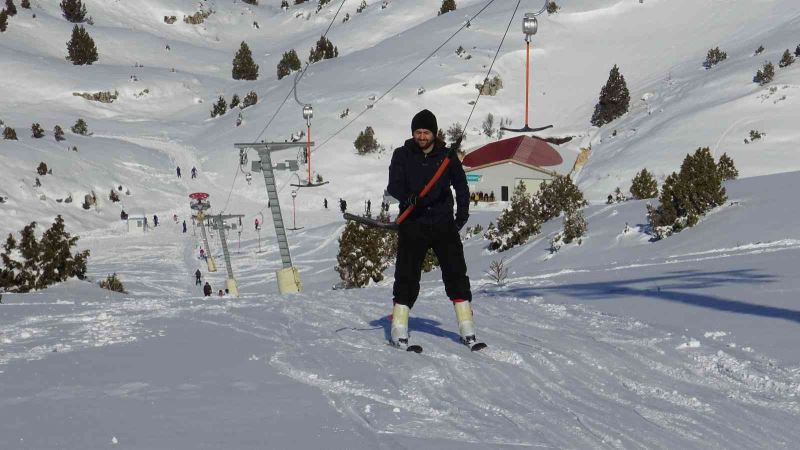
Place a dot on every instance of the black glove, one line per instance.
(461, 220)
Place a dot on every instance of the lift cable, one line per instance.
(467, 23)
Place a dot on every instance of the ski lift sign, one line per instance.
(199, 201)
(474, 178)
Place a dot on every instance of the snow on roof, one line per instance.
(523, 149)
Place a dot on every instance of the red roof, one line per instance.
(523, 149)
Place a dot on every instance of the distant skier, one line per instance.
(155, 220)
(178, 169)
(194, 172)
(430, 226)
(220, 294)
(342, 205)
(258, 224)
(184, 226)
(325, 202)
(202, 253)
(369, 207)
(175, 218)
(207, 289)
(197, 276)
(123, 215)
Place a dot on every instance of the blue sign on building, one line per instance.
(474, 177)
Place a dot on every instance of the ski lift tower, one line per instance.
(200, 203)
(288, 276)
(218, 223)
(529, 26)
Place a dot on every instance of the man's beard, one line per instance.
(425, 147)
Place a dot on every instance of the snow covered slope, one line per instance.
(699, 350)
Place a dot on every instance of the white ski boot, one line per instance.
(466, 324)
(400, 326)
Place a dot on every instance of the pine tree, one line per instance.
(714, 57)
(244, 68)
(644, 185)
(73, 10)
(430, 262)
(727, 170)
(9, 274)
(787, 59)
(687, 195)
(447, 6)
(57, 261)
(29, 250)
(80, 127)
(41, 169)
(25, 4)
(3, 20)
(10, 134)
(234, 101)
(516, 224)
(11, 10)
(58, 133)
(557, 196)
(81, 49)
(765, 74)
(112, 282)
(220, 108)
(289, 63)
(113, 196)
(323, 50)
(249, 100)
(366, 142)
(614, 99)
(575, 226)
(552, 7)
(37, 131)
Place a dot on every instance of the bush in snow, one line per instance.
(249, 100)
(430, 262)
(552, 7)
(687, 195)
(80, 127)
(288, 64)
(614, 99)
(786, 60)
(9, 134)
(754, 136)
(447, 6)
(30, 264)
(73, 10)
(323, 50)
(362, 6)
(727, 170)
(25, 4)
(3, 20)
(80, 48)
(112, 283)
(644, 185)
(765, 74)
(759, 50)
(517, 223)
(169, 20)
(198, 17)
(575, 226)
(359, 259)
(498, 271)
(58, 133)
(219, 108)
(37, 131)
(234, 101)
(455, 131)
(488, 125)
(557, 196)
(11, 10)
(490, 86)
(616, 197)
(41, 169)
(714, 57)
(113, 196)
(366, 142)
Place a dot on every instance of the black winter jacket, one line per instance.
(411, 169)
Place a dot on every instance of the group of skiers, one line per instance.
(194, 172)
(124, 216)
(207, 290)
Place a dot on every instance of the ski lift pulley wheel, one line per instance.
(198, 196)
(308, 112)
(529, 25)
(525, 129)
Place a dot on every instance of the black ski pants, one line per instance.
(414, 240)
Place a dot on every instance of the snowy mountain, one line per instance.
(688, 342)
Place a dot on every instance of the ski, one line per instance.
(411, 348)
(478, 346)
(370, 222)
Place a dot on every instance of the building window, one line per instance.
(504, 193)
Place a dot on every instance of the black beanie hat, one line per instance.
(424, 120)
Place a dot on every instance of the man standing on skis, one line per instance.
(430, 226)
